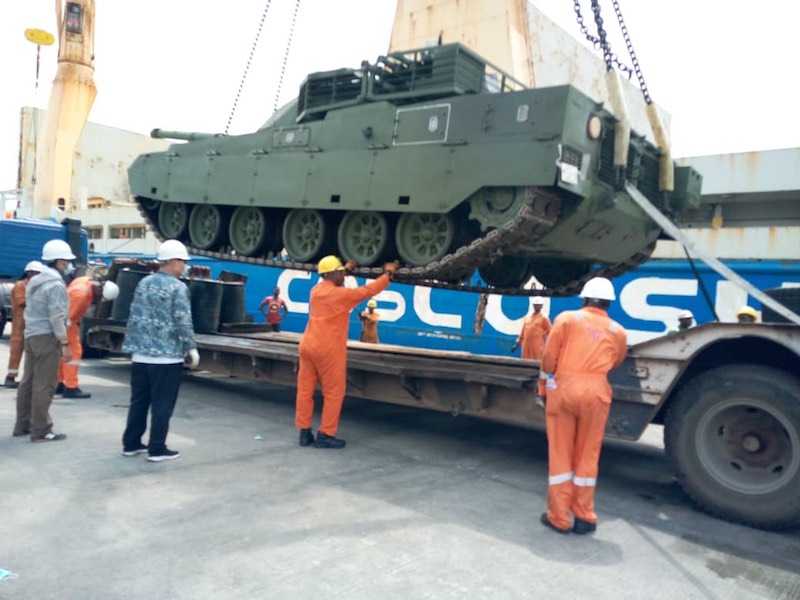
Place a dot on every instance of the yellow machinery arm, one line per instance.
(71, 100)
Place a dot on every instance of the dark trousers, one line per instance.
(154, 388)
(35, 392)
(276, 327)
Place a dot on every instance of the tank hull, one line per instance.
(478, 158)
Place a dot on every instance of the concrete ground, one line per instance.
(419, 505)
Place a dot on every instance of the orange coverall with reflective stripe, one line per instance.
(81, 297)
(583, 346)
(532, 337)
(17, 340)
(323, 350)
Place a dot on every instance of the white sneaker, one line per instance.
(142, 450)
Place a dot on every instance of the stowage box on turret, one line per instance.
(433, 157)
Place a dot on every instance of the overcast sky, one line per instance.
(724, 70)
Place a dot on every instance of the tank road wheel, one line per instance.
(208, 226)
(506, 272)
(305, 233)
(558, 273)
(423, 238)
(173, 220)
(252, 232)
(149, 204)
(733, 437)
(362, 237)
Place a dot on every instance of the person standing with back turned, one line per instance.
(583, 346)
(160, 337)
(46, 306)
(323, 348)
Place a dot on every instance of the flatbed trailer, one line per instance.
(728, 396)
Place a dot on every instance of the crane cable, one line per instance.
(286, 55)
(247, 65)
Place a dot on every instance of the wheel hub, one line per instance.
(747, 447)
(751, 443)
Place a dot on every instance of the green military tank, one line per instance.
(432, 157)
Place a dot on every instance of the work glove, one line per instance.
(390, 268)
(350, 266)
(192, 359)
(514, 348)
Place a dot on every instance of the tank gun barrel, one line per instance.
(161, 134)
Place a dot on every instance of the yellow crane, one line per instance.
(71, 100)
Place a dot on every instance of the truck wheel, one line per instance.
(3, 321)
(733, 438)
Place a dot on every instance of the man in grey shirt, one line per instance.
(46, 310)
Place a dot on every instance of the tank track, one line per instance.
(451, 272)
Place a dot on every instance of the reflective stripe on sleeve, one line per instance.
(562, 478)
(586, 481)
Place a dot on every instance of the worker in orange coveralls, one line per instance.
(532, 337)
(369, 323)
(583, 346)
(82, 292)
(323, 348)
(17, 340)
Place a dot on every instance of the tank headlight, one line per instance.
(594, 127)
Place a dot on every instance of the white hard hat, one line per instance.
(57, 250)
(34, 265)
(685, 314)
(172, 249)
(598, 288)
(110, 290)
(537, 300)
(372, 304)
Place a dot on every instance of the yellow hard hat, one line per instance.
(372, 304)
(329, 263)
(747, 310)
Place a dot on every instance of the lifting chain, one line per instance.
(247, 66)
(286, 56)
(600, 43)
(634, 61)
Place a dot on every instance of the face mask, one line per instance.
(70, 269)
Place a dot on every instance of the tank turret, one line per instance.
(430, 156)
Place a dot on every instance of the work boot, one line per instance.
(11, 382)
(328, 441)
(59, 389)
(546, 522)
(306, 437)
(75, 393)
(582, 527)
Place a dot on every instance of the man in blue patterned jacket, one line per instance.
(159, 336)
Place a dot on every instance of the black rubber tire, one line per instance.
(789, 297)
(3, 320)
(715, 416)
